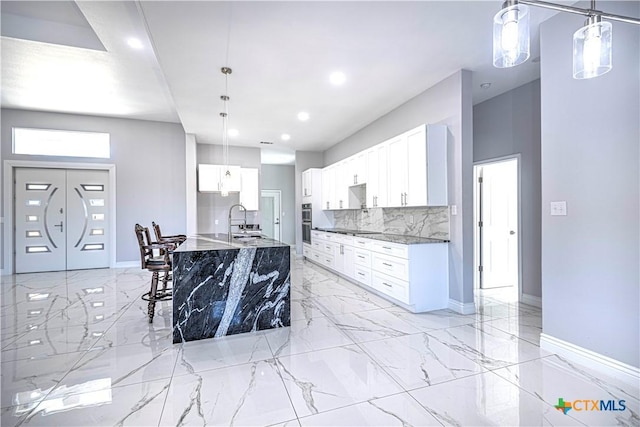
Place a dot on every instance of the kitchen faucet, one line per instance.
(245, 217)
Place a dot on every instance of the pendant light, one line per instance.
(511, 35)
(591, 44)
(592, 49)
(227, 177)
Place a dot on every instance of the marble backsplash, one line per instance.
(431, 222)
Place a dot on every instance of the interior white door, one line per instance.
(499, 216)
(270, 214)
(61, 219)
(40, 220)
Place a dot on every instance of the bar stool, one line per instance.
(175, 238)
(156, 264)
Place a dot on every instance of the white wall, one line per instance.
(150, 169)
(449, 102)
(212, 206)
(282, 177)
(510, 124)
(591, 159)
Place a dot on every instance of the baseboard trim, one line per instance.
(531, 300)
(590, 359)
(462, 308)
(127, 264)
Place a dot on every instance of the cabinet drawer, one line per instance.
(363, 275)
(395, 267)
(395, 288)
(316, 256)
(392, 249)
(307, 250)
(317, 245)
(363, 258)
(316, 234)
(362, 243)
(327, 260)
(327, 248)
(344, 239)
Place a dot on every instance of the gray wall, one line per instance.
(510, 124)
(150, 168)
(304, 161)
(282, 177)
(449, 102)
(591, 159)
(212, 206)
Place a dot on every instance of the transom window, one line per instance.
(50, 142)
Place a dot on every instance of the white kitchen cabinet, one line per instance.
(415, 277)
(250, 190)
(307, 183)
(356, 169)
(210, 178)
(342, 185)
(328, 188)
(418, 167)
(376, 159)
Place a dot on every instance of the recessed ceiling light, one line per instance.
(303, 116)
(337, 78)
(485, 85)
(135, 43)
(285, 137)
(233, 132)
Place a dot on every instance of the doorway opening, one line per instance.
(497, 246)
(270, 209)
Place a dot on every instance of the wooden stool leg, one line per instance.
(165, 280)
(152, 295)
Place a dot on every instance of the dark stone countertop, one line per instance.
(385, 237)
(219, 241)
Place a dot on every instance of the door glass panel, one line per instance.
(34, 202)
(38, 187)
(96, 202)
(32, 218)
(93, 247)
(92, 187)
(97, 217)
(97, 232)
(34, 233)
(37, 249)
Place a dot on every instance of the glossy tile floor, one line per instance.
(77, 350)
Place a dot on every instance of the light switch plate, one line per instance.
(215, 222)
(454, 210)
(559, 208)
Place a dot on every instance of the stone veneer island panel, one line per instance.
(222, 288)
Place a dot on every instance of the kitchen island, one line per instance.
(225, 286)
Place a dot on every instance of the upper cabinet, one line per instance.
(250, 193)
(307, 183)
(210, 178)
(407, 170)
(419, 161)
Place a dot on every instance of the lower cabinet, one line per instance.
(415, 277)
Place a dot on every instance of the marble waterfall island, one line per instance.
(223, 287)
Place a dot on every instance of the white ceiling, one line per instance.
(281, 54)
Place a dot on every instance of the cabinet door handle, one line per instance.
(387, 264)
(386, 284)
(360, 274)
(360, 256)
(386, 247)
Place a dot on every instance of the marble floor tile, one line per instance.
(53, 340)
(487, 346)
(419, 360)
(328, 379)
(306, 335)
(553, 377)
(305, 309)
(343, 304)
(438, 319)
(397, 410)
(127, 364)
(202, 355)
(28, 380)
(135, 330)
(94, 403)
(373, 325)
(527, 327)
(243, 395)
(487, 400)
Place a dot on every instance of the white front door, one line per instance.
(61, 219)
(499, 216)
(270, 214)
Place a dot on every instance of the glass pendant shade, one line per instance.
(511, 36)
(592, 49)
